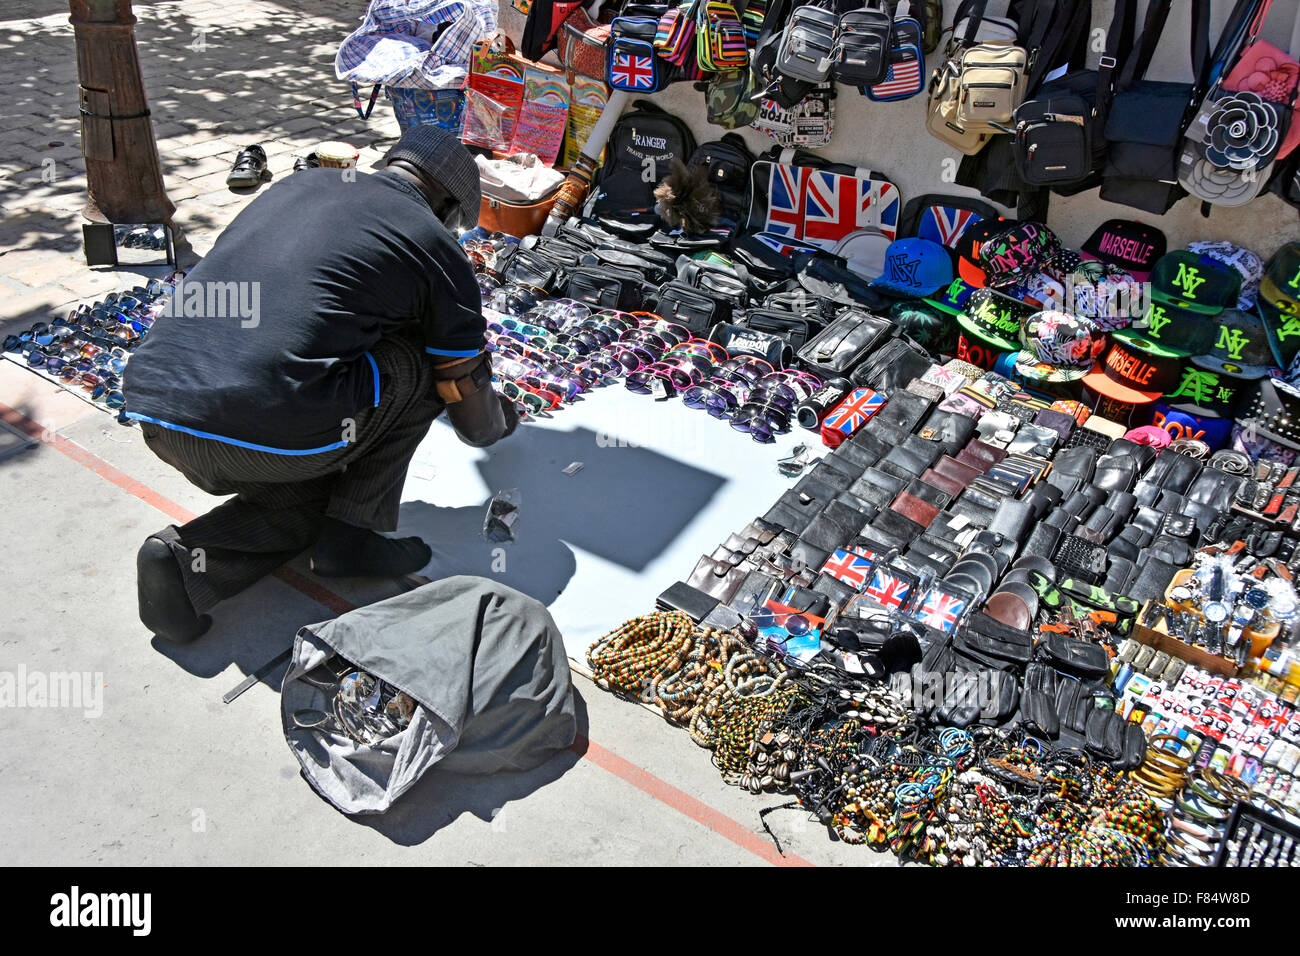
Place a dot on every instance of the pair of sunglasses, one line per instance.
(762, 422)
(719, 397)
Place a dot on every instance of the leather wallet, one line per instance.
(910, 506)
(980, 455)
(1059, 422)
(691, 601)
(753, 591)
(947, 484)
(717, 579)
(904, 463)
(1073, 656)
(829, 476)
(959, 471)
(889, 432)
(905, 409)
(854, 457)
(890, 526)
(935, 495)
(832, 528)
(950, 431)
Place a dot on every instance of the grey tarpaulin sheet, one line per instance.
(661, 484)
(485, 663)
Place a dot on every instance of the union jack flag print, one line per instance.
(945, 224)
(848, 567)
(824, 208)
(887, 590)
(852, 413)
(940, 610)
(627, 71)
(783, 245)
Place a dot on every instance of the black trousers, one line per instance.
(281, 500)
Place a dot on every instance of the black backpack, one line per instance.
(640, 154)
(727, 161)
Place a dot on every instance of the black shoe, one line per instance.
(165, 608)
(310, 161)
(346, 551)
(249, 169)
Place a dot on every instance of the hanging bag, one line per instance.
(1235, 137)
(676, 33)
(1147, 118)
(583, 45)
(808, 45)
(633, 65)
(960, 106)
(864, 41)
(720, 37)
(905, 71)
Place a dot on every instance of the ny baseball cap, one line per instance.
(1104, 294)
(1187, 290)
(952, 298)
(1279, 302)
(1058, 347)
(914, 268)
(1208, 393)
(1133, 375)
(1010, 255)
(1132, 246)
(1241, 349)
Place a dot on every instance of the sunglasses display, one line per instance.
(88, 349)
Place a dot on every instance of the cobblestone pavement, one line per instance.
(219, 74)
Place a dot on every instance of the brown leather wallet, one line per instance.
(910, 506)
(716, 578)
(959, 471)
(981, 455)
(944, 482)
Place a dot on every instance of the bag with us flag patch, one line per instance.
(905, 74)
(849, 211)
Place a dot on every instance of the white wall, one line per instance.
(891, 138)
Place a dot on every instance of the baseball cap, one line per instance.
(1182, 423)
(1058, 347)
(914, 268)
(1102, 293)
(1186, 290)
(440, 155)
(1204, 392)
(1241, 349)
(1130, 245)
(1279, 302)
(951, 299)
(925, 324)
(994, 318)
(1133, 375)
(1244, 261)
(1010, 255)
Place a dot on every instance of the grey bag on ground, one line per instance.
(485, 664)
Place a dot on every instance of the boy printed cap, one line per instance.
(1058, 347)
(1244, 261)
(1241, 349)
(1132, 246)
(1135, 376)
(914, 268)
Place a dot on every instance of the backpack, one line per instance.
(941, 218)
(639, 155)
(727, 161)
(863, 45)
(633, 65)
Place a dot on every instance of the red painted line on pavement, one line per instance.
(684, 803)
(607, 760)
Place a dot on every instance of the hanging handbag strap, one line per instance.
(356, 100)
(1119, 47)
(1241, 30)
(1049, 29)
(1157, 13)
(973, 20)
